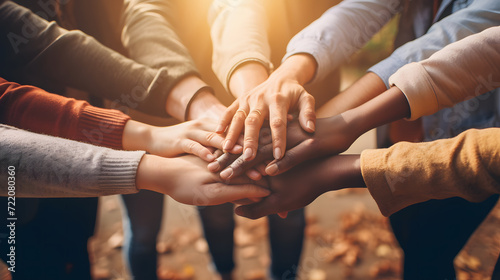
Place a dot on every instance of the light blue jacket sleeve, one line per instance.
(341, 31)
(478, 16)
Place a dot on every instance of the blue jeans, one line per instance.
(286, 239)
(141, 223)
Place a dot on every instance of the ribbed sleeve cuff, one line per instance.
(416, 84)
(101, 127)
(118, 172)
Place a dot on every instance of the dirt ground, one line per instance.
(346, 238)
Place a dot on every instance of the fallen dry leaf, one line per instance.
(201, 245)
(249, 252)
(116, 240)
(255, 274)
(383, 250)
(468, 262)
(242, 237)
(317, 274)
(99, 273)
(165, 247)
(385, 268)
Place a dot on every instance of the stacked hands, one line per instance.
(247, 150)
(302, 174)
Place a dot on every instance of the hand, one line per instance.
(303, 184)
(193, 137)
(280, 94)
(333, 135)
(187, 180)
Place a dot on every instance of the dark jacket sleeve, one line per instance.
(33, 50)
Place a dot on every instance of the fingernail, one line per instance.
(213, 166)
(237, 149)
(247, 154)
(226, 145)
(272, 169)
(277, 153)
(310, 125)
(219, 128)
(210, 157)
(283, 215)
(226, 173)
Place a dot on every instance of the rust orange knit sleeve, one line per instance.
(34, 109)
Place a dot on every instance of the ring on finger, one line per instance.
(257, 111)
(243, 111)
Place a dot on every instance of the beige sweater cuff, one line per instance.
(416, 84)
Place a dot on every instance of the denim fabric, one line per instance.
(141, 224)
(286, 239)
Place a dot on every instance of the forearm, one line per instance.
(390, 106)
(239, 36)
(342, 171)
(440, 82)
(407, 173)
(149, 36)
(71, 58)
(36, 110)
(48, 166)
(474, 18)
(341, 31)
(366, 88)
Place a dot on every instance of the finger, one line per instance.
(256, 210)
(277, 121)
(226, 118)
(265, 136)
(254, 174)
(283, 215)
(253, 123)
(294, 156)
(219, 193)
(240, 165)
(262, 169)
(195, 148)
(307, 115)
(235, 129)
(221, 162)
(218, 153)
(206, 138)
(247, 201)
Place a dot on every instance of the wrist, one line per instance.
(154, 173)
(205, 104)
(299, 67)
(246, 77)
(343, 171)
(182, 95)
(136, 136)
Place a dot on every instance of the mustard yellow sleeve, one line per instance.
(458, 72)
(239, 34)
(466, 166)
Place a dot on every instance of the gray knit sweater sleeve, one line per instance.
(47, 166)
